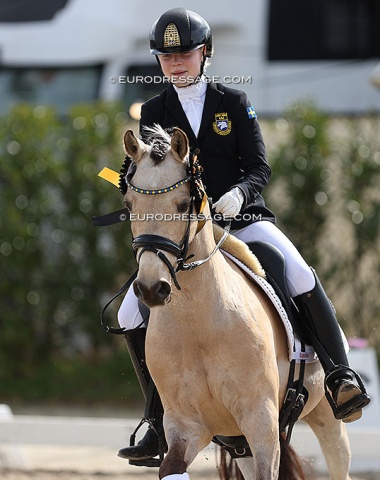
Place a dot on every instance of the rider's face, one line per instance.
(181, 68)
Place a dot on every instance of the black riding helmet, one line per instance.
(179, 30)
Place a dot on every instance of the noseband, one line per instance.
(158, 244)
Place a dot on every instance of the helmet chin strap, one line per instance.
(204, 59)
(198, 78)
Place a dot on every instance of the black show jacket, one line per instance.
(229, 145)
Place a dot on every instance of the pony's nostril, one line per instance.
(158, 294)
(136, 289)
(164, 289)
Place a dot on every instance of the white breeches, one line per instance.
(299, 276)
(177, 476)
(129, 315)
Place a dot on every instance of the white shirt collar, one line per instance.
(195, 91)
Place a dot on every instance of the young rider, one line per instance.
(224, 132)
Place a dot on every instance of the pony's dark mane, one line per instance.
(159, 139)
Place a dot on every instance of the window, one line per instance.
(323, 29)
(142, 82)
(29, 10)
(59, 87)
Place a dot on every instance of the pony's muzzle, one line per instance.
(154, 295)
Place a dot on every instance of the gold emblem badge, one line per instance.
(222, 126)
(171, 36)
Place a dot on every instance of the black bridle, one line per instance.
(158, 244)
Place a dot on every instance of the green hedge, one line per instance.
(58, 270)
(325, 190)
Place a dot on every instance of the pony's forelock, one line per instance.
(156, 133)
(159, 139)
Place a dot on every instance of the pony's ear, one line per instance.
(179, 145)
(134, 147)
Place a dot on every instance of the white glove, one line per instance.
(230, 203)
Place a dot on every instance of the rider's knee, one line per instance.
(303, 281)
(129, 316)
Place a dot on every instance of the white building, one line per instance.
(68, 51)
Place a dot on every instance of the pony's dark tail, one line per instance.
(227, 467)
(290, 463)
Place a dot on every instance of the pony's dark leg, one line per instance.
(186, 437)
(345, 390)
(174, 462)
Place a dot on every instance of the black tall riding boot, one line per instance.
(344, 388)
(149, 446)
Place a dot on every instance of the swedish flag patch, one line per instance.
(251, 112)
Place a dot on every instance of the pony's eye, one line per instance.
(183, 207)
(128, 205)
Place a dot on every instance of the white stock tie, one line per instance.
(192, 100)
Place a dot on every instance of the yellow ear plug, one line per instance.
(110, 175)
